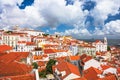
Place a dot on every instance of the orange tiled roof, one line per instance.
(14, 68)
(91, 73)
(111, 77)
(97, 41)
(41, 63)
(118, 71)
(2, 53)
(20, 77)
(12, 56)
(60, 59)
(42, 68)
(74, 57)
(30, 43)
(87, 58)
(82, 78)
(45, 55)
(5, 48)
(50, 45)
(37, 57)
(83, 56)
(49, 51)
(68, 67)
(105, 67)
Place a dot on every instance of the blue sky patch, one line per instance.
(112, 18)
(88, 5)
(26, 3)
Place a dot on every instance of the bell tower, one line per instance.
(105, 40)
(105, 44)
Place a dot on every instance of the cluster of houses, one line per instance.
(76, 59)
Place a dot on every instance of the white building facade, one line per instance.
(100, 46)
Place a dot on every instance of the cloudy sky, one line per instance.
(79, 18)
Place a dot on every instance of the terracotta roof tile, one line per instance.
(30, 43)
(50, 51)
(111, 77)
(37, 57)
(60, 59)
(12, 56)
(41, 63)
(5, 48)
(19, 77)
(74, 57)
(83, 56)
(2, 53)
(82, 78)
(14, 68)
(87, 58)
(118, 69)
(91, 73)
(105, 67)
(69, 68)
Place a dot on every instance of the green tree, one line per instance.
(45, 34)
(108, 48)
(9, 32)
(50, 63)
(35, 65)
(42, 74)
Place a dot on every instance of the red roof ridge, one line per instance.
(5, 47)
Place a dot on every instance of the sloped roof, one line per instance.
(12, 56)
(74, 57)
(13, 68)
(87, 58)
(41, 63)
(104, 67)
(5, 48)
(111, 77)
(82, 78)
(50, 45)
(91, 73)
(30, 43)
(37, 57)
(68, 68)
(20, 77)
(50, 51)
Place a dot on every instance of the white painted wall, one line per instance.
(71, 77)
(36, 74)
(110, 70)
(91, 63)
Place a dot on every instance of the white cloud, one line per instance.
(111, 30)
(113, 27)
(100, 13)
(78, 32)
(41, 13)
(54, 12)
(60, 13)
(11, 15)
(103, 9)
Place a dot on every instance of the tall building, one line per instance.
(100, 46)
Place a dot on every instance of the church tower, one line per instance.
(105, 44)
(105, 40)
